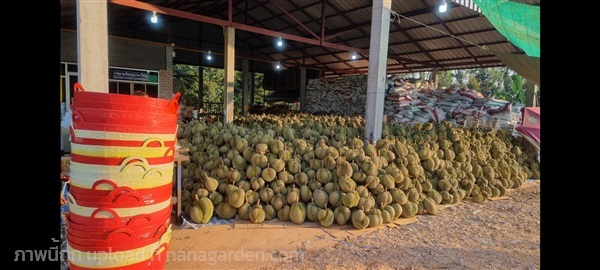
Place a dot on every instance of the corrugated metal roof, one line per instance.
(461, 21)
(404, 48)
(326, 58)
(442, 43)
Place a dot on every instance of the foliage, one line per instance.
(213, 86)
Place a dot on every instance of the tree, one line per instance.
(188, 76)
(473, 83)
(445, 78)
(459, 77)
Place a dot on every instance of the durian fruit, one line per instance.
(342, 214)
(350, 199)
(375, 218)
(430, 206)
(397, 210)
(311, 211)
(409, 209)
(298, 212)
(325, 217)
(202, 211)
(335, 198)
(225, 210)
(215, 197)
(270, 212)
(278, 201)
(284, 213)
(329, 187)
(293, 195)
(346, 183)
(266, 194)
(257, 214)
(384, 198)
(320, 198)
(360, 220)
(211, 184)
(236, 198)
(366, 203)
(398, 196)
(387, 213)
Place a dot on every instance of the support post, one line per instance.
(302, 88)
(246, 81)
(252, 88)
(380, 27)
(92, 45)
(434, 77)
(229, 73)
(200, 90)
(531, 94)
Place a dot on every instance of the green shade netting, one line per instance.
(520, 23)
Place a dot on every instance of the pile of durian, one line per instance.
(304, 167)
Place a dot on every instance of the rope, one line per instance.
(397, 17)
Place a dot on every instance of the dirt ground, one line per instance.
(501, 234)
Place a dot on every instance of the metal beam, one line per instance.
(240, 26)
(437, 17)
(291, 11)
(433, 38)
(295, 20)
(408, 28)
(323, 5)
(230, 11)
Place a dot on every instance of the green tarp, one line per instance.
(519, 23)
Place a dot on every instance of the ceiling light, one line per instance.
(279, 42)
(443, 7)
(354, 56)
(209, 56)
(154, 19)
(277, 65)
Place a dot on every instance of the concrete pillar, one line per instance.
(302, 88)
(92, 45)
(246, 90)
(531, 94)
(252, 88)
(434, 77)
(169, 57)
(200, 90)
(380, 27)
(229, 73)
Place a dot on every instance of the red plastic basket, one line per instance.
(118, 161)
(125, 128)
(101, 116)
(108, 196)
(123, 197)
(84, 99)
(119, 238)
(117, 222)
(137, 224)
(100, 233)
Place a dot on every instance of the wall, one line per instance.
(126, 53)
(165, 82)
(121, 52)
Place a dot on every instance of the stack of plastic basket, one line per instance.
(122, 153)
